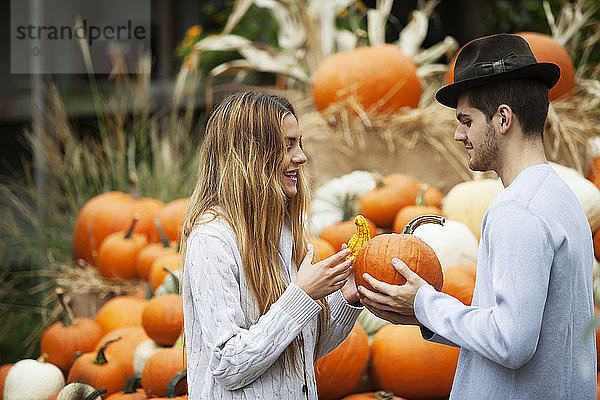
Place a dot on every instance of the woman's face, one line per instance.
(294, 156)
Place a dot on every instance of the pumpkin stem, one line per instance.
(129, 232)
(68, 319)
(42, 358)
(420, 201)
(423, 219)
(133, 383)
(174, 382)
(147, 291)
(161, 232)
(96, 393)
(134, 185)
(383, 395)
(378, 180)
(174, 277)
(101, 357)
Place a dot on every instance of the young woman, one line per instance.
(257, 311)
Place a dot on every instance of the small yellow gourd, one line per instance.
(361, 237)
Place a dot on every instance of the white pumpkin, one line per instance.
(142, 353)
(468, 201)
(371, 322)
(594, 147)
(453, 242)
(586, 192)
(330, 199)
(75, 391)
(169, 284)
(30, 379)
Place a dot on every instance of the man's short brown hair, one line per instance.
(527, 98)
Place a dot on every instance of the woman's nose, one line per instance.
(299, 157)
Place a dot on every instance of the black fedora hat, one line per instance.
(495, 58)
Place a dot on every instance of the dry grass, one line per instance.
(139, 147)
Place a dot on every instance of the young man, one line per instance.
(524, 335)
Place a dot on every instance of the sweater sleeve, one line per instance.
(520, 255)
(239, 354)
(343, 318)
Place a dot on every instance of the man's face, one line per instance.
(479, 137)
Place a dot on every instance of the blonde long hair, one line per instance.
(240, 169)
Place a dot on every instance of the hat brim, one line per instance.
(548, 73)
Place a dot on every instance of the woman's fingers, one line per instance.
(339, 268)
(336, 258)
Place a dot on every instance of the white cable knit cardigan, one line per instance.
(231, 352)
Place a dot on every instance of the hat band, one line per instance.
(507, 63)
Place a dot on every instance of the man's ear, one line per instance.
(504, 118)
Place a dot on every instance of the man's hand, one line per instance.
(394, 303)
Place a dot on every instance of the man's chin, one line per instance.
(474, 166)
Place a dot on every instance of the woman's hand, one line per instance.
(325, 277)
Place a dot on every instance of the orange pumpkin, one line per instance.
(421, 207)
(180, 379)
(340, 372)
(163, 318)
(340, 232)
(120, 311)
(96, 370)
(323, 248)
(3, 371)
(111, 212)
(133, 390)
(404, 363)
(431, 196)
(171, 218)
(594, 172)
(459, 282)
(161, 368)
(381, 79)
(545, 49)
(118, 252)
(64, 339)
(392, 193)
(124, 349)
(157, 271)
(408, 213)
(375, 258)
(147, 256)
(380, 395)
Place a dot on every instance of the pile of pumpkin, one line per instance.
(131, 350)
(382, 356)
(132, 347)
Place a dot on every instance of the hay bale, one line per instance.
(419, 141)
(87, 290)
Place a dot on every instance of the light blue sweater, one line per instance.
(523, 336)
